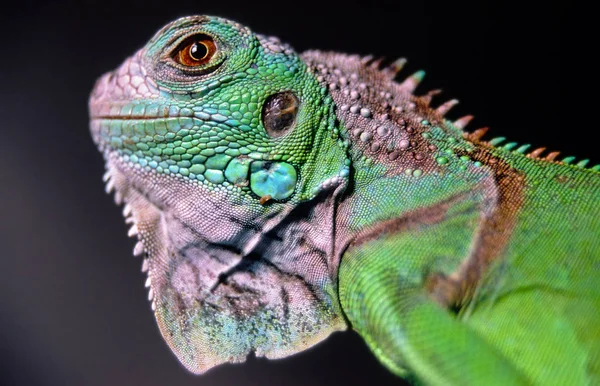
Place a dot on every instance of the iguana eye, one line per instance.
(195, 51)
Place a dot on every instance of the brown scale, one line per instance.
(383, 118)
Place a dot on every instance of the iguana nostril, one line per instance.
(279, 113)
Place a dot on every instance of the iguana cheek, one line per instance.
(275, 179)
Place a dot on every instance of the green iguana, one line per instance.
(279, 197)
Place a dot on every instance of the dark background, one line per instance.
(73, 307)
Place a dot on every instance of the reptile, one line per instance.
(278, 197)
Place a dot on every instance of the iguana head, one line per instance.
(224, 148)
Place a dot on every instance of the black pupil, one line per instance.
(198, 51)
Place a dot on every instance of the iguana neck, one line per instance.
(395, 138)
(401, 147)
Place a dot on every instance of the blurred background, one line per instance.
(73, 308)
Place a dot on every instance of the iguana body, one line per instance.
(280, 197)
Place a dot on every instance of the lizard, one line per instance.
(279, 197)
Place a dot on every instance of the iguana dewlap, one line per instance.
(278, 197)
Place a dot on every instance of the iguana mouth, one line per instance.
(136, 112)
(128, 118)
(157, 113)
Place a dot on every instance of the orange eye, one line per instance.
(196, 51)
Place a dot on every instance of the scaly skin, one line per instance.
(280, 197)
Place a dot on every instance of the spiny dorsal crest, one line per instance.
(498, 142)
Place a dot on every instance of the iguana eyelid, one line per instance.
(176, 43)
